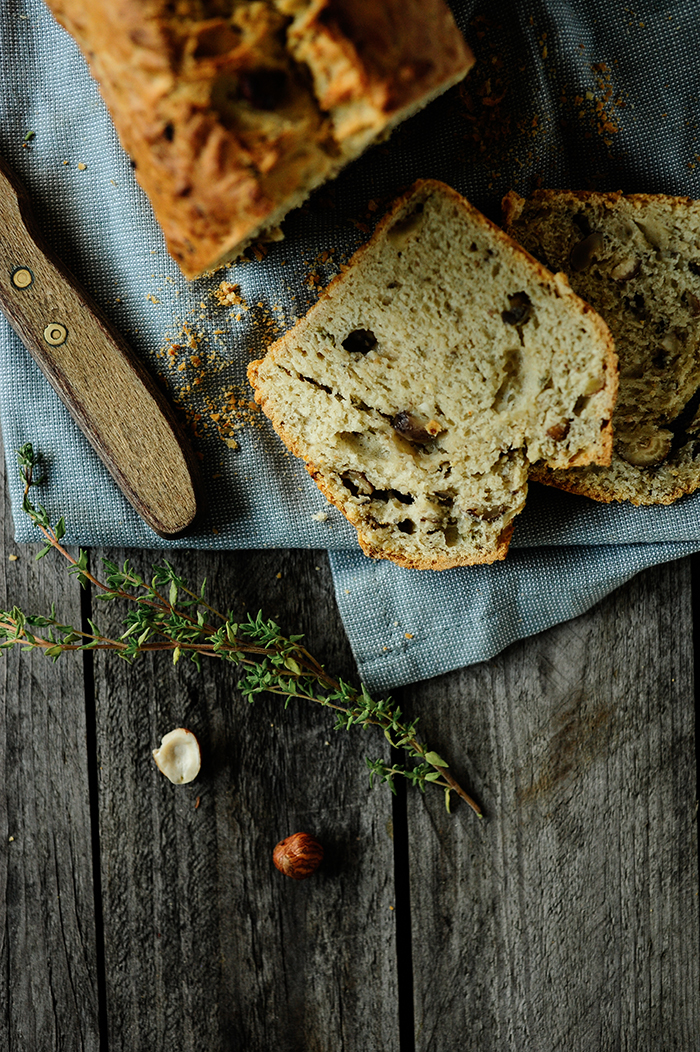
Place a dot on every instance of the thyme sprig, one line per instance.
(164, 614)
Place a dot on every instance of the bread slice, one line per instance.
(233, 111)
(436, 368)
(636, 259)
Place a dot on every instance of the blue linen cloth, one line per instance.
(579, 96)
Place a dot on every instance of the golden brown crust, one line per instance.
(589, 486)
(221, 114)
(512, 204)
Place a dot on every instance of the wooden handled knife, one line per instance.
(107, 391)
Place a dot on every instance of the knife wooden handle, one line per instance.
(108, 392)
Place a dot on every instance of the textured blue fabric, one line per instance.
(582, 95)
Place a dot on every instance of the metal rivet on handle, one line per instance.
(55, 334)
(22, 277)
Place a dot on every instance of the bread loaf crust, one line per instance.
(234, 110)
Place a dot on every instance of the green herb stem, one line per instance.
(272, 663)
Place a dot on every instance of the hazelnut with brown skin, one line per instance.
(298, 856)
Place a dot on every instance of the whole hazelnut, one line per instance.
(298, 856)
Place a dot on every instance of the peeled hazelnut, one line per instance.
(645, 447)
(357, 483)
(656, 234)
(179, 757)
(583, 253)
(408, 426)
(298, 856)
(558, 432)
(625, 270)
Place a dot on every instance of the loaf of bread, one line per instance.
(234, 110)
(433, 371)
(636, 260)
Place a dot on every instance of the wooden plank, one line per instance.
(569, 920)
(48, 969)
(207, 946)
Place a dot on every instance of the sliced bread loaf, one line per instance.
(636, 260)
(434, 370)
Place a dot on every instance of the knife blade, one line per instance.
(107, 390)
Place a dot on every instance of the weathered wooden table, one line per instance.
(144, 916)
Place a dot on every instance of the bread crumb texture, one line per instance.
(636, 260)
(232, 112)
(432, 373)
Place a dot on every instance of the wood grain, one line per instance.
(207, 945)
(48, 958)
(569, 920)
(112, 398)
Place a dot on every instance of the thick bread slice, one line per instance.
(434, 370)
(233, 111)
(636, 259)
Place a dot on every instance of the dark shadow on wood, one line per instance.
(93, 789)
(402, 891)
(695, 599)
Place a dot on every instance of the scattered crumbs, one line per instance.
(81, 166)
(347, 591)
(234, 410)
(197, 802)
(227, 294)
(112, 182)
(391, 907)
(317, 567)
(396, 624)
(66, 162)
(151, 298)
(320, 516)
(13, 558)
(408, 635)
(231, 443)
(278, 576)
(214, 530)
(10, 839)
(326, 743)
